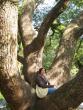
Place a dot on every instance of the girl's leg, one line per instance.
(51, 90)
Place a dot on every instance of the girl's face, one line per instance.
(43, 71)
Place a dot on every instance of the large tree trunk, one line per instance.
(15, 91)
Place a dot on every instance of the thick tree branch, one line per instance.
(25, 23)
(27, 33)
(69, 96)
(63, 60)
(51, 16)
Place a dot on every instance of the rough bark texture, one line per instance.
(63, 61)
(25, 23)
(33, 50)
(27, 35)
(67, 97)
(14, 89)
(11, 85)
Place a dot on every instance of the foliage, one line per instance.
(1, 97)
(79, 52)
(78, 4)
(78, 57)
(52, 43)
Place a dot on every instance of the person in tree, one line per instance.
(43, 86)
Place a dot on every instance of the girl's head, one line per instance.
(42, 71)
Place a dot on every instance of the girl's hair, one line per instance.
(41, 70)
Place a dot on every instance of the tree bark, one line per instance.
(60, 71)
(27, 35)
(13, 88)
(33, 50)
(67, 97)
(25, 23)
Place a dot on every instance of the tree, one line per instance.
(16, 88)
(18, 92)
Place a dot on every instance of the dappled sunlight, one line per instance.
(32, 68)
(69, 29)
(61, 51)
(59, 74)
(26, 23)
(35, 62)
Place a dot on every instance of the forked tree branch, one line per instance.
(51, 16)
(62, 63)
